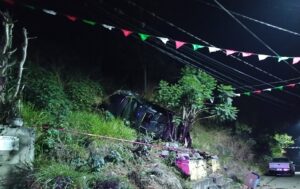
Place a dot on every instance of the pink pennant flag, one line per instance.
(11, 2)
(72, 18)
(213, 49)
(163, 39)
(246, 54)
(257, 92)
(229, 52)
(291, 85)
(262, 57)
(126, 32)
(179, 44)
(296, 60)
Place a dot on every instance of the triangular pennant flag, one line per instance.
(212, 100)
(246, 54)
(163, 39)
(291, 85)
(229, 52)
(72, 18)
(213, 49)
(143, 36)
(196, 46)
(50, 12)
(11, 2)
(237, 94)
(247, 93)
(268, 89)
(282, 58)
(296, 60)
(108, 26)
(179, 44)
(29, 6)
(262, 57)
(126, 32)
(279, 88)
(92, 23)
(257, 92)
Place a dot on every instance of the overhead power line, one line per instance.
(253, 34)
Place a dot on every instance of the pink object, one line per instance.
(246, 54)
(230, 52)
(126, 32)
(183, 165)
(179, 44)
(296, 60)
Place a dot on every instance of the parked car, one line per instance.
(281, 166)
(145, 116)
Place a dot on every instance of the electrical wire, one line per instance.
(254, 35)
(252, 19)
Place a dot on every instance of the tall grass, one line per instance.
(33, 117)
(97, 124)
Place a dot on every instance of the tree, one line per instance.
(193, 95)
(282, 141)
(11, 70)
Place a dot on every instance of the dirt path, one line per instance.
(280, 182)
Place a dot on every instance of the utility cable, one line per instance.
(252, 19)
(253, 34)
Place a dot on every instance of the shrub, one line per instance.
(84, 94)
(45, 90)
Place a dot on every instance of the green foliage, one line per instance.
(48, 176)
(282, 141)
(84, 93)
(45, 90)
(97, 124)
(242, 129)
(33, 117)
(225, 110)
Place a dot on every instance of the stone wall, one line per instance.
(15, 158)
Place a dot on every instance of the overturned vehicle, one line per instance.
(145, 116)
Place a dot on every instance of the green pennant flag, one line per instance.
(29, 6)
(144, 37)
(279, 88)
(247, 93)
(92, 23)
(196, 46)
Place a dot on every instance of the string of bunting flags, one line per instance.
(178, 44)
(164, 40)
(278, 88)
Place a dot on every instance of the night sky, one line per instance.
(109, 54)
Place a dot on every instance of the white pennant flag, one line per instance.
(269, 89)
(108, 26)
(282, 58)
(213, 49)
(50, 12)
(262, 57)
(237, 94)
(163, 39)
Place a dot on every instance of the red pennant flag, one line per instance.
(72, 18)
(179, 44)
(257, 92)
(246, 54)
(296, 60)
(11, 2)
(126, 32)
(291, 85)
(229, 52)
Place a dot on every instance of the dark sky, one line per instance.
(94, 44)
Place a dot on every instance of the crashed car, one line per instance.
(145, 116)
